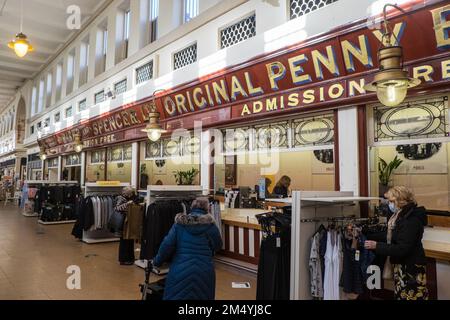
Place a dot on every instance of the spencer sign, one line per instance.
(342, 57)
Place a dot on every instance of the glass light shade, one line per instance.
(154, 134)
(393, 92)
(78, 148)
(21, 49)
(43, 156)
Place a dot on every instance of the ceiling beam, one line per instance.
(7, 91)
(15, 74)
(32, 33)
(10, 84)
(18, 66)
(28, 58)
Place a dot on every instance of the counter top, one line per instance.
(242, 217)
(436, 242)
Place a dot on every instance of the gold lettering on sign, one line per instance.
(298, 78)
(236, 88)
(257, 106)
(133, 117)
(245, 110)
(442, 26)
(170, 106)
(293, 100)
(199, 103)
(308, 96)
(180, 100)
(276, 71)
(445, 69)
(424, 72)
(220, 91)
(362, 54)
(358, 86)
(328, 62)
(396, 36)
(191, 107)
(271, 104)
(112, 124)
(126, 121)
(338, 94)
(119, 121)
(252, 90)
(208, 94)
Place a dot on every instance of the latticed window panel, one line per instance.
(98, 156)
(240, 31)
(152, 150)
(236, 140)
(120, 87)
(299, 8)
(185, 57)
(73, 160)
(313, 131)
(82, 105)
(171, 147)
(272, 136)
(53, 163)
(144, 73)
(419, 119)
(100, 97)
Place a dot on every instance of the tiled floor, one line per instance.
(34, 260)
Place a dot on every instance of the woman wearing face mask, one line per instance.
(402, 244)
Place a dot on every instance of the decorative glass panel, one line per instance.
(100, 97)
(127, 152)
(144, 73)
(171, 148)
(272, 136)
(299, 8)
(313, 131)
(192, 145)
(152, 150)
(419, 119)
(419, 151)
(184, 57)
(240, 31)
(53, 163)
(120, 87)
(98, 156)
(235, 140)
(73, 160)
(325, 156)
(115, 153)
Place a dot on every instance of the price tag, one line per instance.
(278, 242)
(357, 255)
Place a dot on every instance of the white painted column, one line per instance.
(205, 158)
(54, 89)
(60, 168)
(139, 25)
(348, 150)
(83, 167)
(92, 53)
(76, 69)
(111, 52)
(135, 165)
(170, 16)
(64, 78)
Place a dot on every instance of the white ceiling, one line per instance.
(44, 23)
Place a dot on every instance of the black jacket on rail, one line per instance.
(406, 245)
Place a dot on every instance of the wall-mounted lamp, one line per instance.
(77, 144)
(154, 128)
(391, 83)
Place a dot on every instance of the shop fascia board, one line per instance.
(180, 32)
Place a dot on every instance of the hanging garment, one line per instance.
(332, 266)
(315, 268)
(337, 265)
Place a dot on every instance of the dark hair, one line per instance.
(283, 182)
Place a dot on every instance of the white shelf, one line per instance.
(50, 182)
(280, 200)
(56, 222)
(175, 188)
(340, 199)
(94, 184)
(30, 215)
(91, 241)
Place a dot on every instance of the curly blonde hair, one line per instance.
(401, 196)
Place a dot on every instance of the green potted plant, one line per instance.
(385, 171)
(185, 177)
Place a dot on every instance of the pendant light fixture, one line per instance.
(20, 44)
(43, 155)
(154, 128)
(391, 83)
(78, 145)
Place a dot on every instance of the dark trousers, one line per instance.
(126, 250)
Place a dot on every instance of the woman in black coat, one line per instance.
(402, 244)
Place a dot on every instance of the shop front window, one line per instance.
(119, 163)
(164, 161)
(52, 169)
(72, 168)
(417, 134)
(302, 149)
(95, 170)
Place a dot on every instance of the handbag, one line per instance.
(116, 221)
(387, 270)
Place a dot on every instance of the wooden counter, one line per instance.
(437, 250)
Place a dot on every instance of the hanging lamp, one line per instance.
(20, 44)
(391, 82)
(154, 129)
(43, 155)
(78, 145)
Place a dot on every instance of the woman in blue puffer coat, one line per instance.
(190, 245)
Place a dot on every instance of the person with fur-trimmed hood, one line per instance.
(190, 245)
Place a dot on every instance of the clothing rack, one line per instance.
(170, 192)
(36, 183)
(308, 208)
(94, 189)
